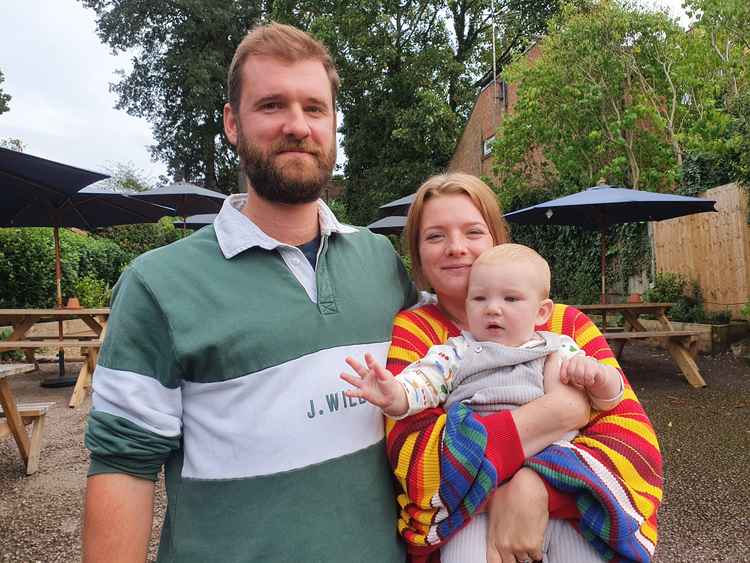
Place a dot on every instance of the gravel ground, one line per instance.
(704, 435)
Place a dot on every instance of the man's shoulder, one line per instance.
(180, 259)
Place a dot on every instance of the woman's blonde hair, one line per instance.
(452, 183)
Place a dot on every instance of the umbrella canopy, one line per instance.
(196, 221)
(602, 206)
(388, 225)
(398, 206)
(28, 181)
(186, 199)
(36, 192)
(90, 208)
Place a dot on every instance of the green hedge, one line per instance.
(27, 264)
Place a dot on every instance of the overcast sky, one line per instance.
(58, 74)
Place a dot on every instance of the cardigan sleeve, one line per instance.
(615, 460)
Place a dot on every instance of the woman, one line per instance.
(449, 464)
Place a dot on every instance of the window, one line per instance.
(487, 146)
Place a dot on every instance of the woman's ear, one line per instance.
(544, 312)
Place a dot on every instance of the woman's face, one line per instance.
(452, 235)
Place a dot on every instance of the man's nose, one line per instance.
(296, 125)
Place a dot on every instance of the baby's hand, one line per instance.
(584, 372)
(377, 386)
(602, 383)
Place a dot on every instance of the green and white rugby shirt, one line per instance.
(222, 362)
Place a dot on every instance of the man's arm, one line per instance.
(118, 518)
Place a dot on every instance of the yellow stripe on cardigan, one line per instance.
(587, 335)
(636, 427)
(629, 474)
(556, 320)
(402, 354)
(430, 471)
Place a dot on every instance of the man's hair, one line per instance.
(452, 183)
(283, 42)
(518, 253)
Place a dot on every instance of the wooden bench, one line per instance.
(49, 343)
(89, 347)
(34, 414)
(681, 344)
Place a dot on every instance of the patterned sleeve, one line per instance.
(429, 380)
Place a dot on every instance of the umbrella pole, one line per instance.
(603, 267)
(58, 271)
(603, 264)
(60, 380)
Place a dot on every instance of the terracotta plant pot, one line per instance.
(634, 298)
(73, 303)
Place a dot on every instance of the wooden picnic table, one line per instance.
(22, 321)
(681, 344)
(16, 416)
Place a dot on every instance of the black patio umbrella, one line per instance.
(602, 206)
(397, 207)
(388, 225)
(186, 199)
(196, 221)
(36, 192)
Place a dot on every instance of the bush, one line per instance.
(93, 292)
(11, 355)
(688, 303)
(668, 288)
(27, 265)
(137, 239)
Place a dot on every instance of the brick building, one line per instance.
(473, 153)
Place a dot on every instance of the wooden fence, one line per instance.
(712, 248)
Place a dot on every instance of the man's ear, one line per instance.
(230, 124)
(544, 312)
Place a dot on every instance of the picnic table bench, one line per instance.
(14, 417)
(682, 345)
(22, 321)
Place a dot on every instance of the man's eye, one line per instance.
(271, 106)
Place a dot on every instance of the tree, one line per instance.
(408, 73)
(181, 52)
(125, 177)
(603, 99)
(4, 98)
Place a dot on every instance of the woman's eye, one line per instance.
(433, 236)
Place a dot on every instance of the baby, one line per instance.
(502, 362)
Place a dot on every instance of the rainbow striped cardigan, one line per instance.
(613, 468)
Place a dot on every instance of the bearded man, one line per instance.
(223, 352)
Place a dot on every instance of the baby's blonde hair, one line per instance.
(511, 252)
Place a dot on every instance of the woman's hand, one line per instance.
(517, 517)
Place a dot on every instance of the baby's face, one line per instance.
(504, 302)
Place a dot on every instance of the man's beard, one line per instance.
(291, 182)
